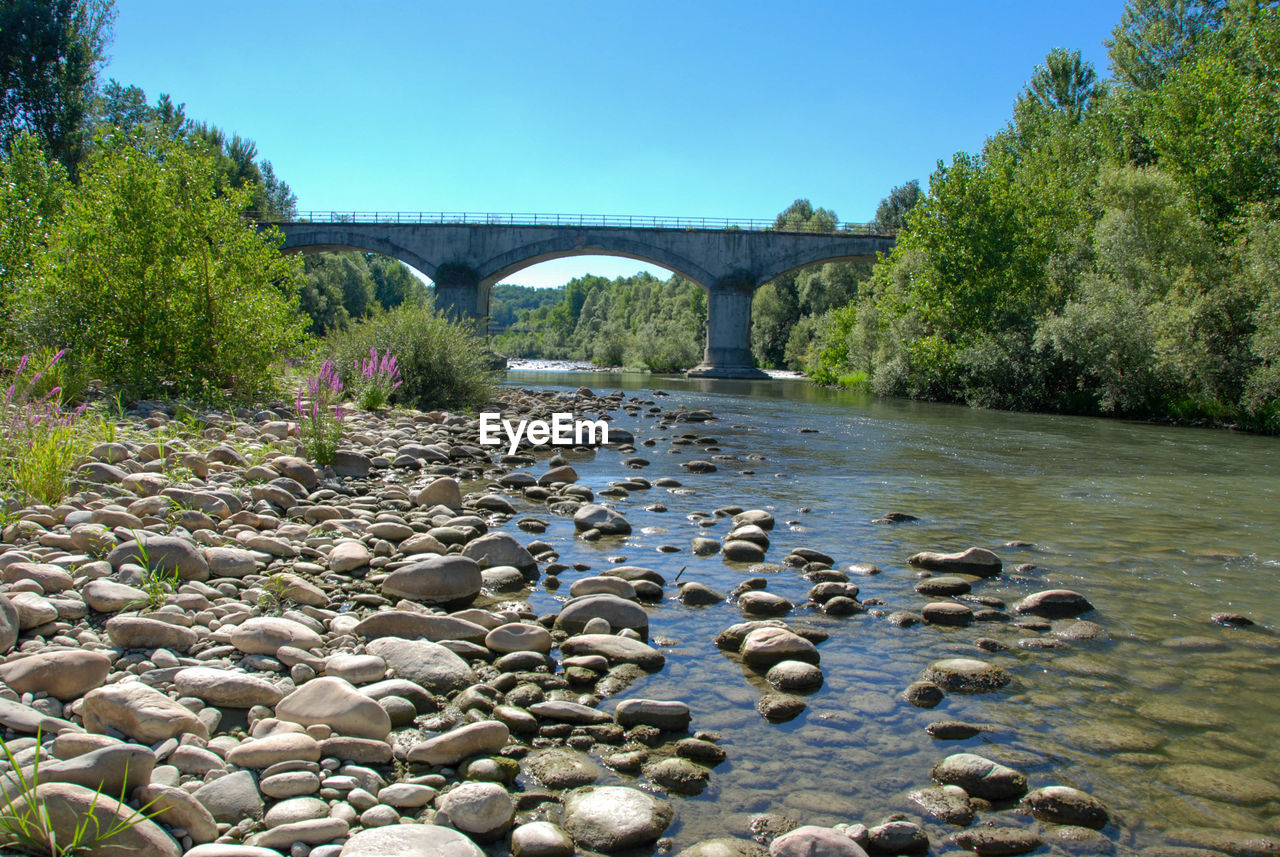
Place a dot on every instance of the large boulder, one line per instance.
(617, 611)
(163, 553)
(613, 818)
(65, 674)
(498, 549)
(449, 748)
(265, 635)
(410, 840)
(66, 806)
(140, 712)
(450, 581)
(424, 663)
(227, 687)
(336, 703)
(979, 562)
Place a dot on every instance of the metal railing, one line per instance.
(616, 221)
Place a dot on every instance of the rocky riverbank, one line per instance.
(270, 658)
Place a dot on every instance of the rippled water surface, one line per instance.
(1172, 722)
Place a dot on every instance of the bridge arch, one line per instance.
(330, 240)
(562, 246)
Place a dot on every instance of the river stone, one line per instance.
(109, 596)
(812, 841)
(66, 805)
(25, 719)
(357, 669)
(611, 818)
(348, 555)
(140, 712)
(63, 674)
(923, 694)
(943, 584)
(1054, 604)
(966, 675)
(949, 804)
(794, 676)
(695, 594)
(898, 837)
(336, 703)
(226, 687)
(163, 552)
(518, 637)
(410, 624)
(33, 610)
(561, 768)
(741, 550)
(442, 492)
(999, 840)
(427, 664)
(230, 562)
(315, 831)
(1215, 784)
(8, 625)
(177, 808)
(980, 777)
(483, 811)
(265, 635)
(978, 562)
(615, 649)
(452, 581)
(294, 810)
(668, 715)
(231, 798)
(764, 647)
(1065, 805)
(618, 612)
(594, 516)
(139, 632)
(602, 585)
(114, 769)
(725, 846)
(450, 748)
(410, 840)
(946, 613)
(260, 753)
(1238, 843)
(499, 549)
(540, 839)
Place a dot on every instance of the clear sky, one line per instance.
(692, 108)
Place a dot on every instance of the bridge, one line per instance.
(466, 254)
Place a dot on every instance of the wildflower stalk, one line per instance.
(320, 413)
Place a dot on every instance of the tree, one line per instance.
(801, 216)
(1065, 83)
(50, 54)
(891, 213)
(1155, 36)
(156, 282)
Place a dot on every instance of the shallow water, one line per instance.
(1158, 527)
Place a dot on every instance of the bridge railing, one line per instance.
(617, 221)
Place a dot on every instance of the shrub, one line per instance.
(156, 282)
(664, 351)
(442, 363)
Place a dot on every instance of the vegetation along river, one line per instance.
(1169, 720)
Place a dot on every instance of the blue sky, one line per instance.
(694, 108)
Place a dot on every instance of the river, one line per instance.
(1171, 722)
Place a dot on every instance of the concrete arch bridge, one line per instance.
(466, 254)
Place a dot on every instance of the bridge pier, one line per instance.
(728, 353)
(461, 296)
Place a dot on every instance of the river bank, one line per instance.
(421, 517)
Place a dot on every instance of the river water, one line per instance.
(1172, 722)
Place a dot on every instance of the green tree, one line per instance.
(50, 54)
(156, 282)
(1155, 36)
(891, 213)
(1065, 83)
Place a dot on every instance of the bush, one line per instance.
(154, 280)
(663, 351)
(442, 363)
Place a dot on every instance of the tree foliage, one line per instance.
(1111, 250)
(50, 54)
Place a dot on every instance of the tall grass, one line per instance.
(39, 437)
